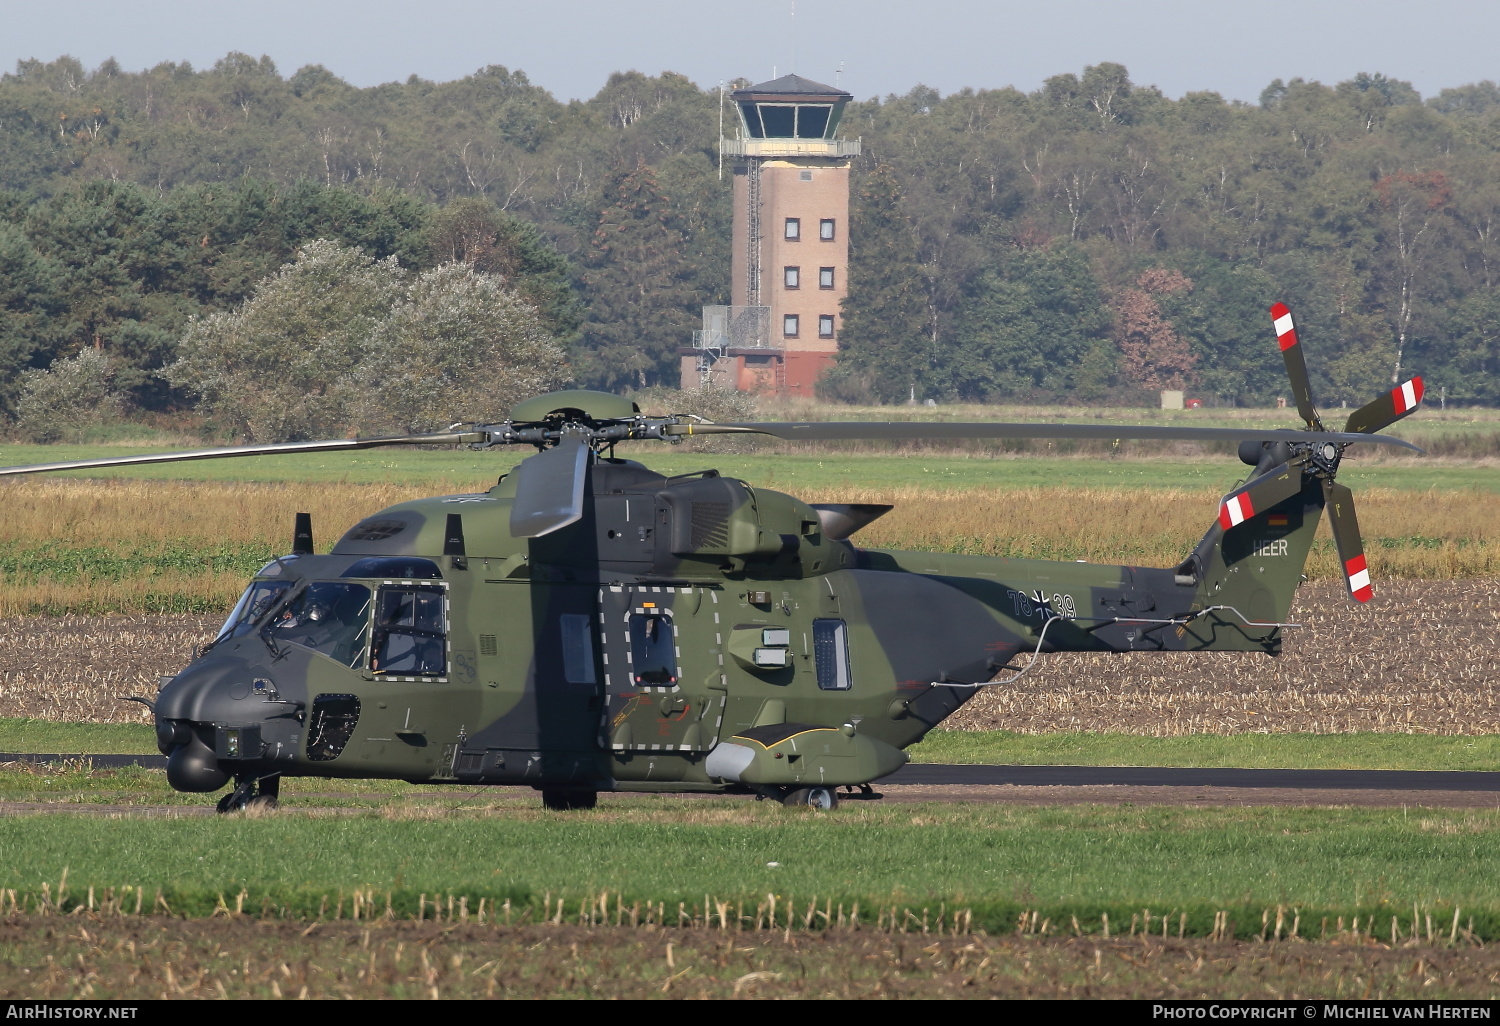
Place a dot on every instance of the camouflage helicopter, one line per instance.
(590, 625)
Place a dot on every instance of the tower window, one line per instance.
(825, 325)
(789, 325)
(793, 230)
(825, 229)
(825, 277)
(792, 277)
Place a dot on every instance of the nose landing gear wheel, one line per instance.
(252, 793)
(822, 798)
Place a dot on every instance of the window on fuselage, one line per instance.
(411, 631)
(653, 649)
(330, 617)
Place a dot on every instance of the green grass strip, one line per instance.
(789, 472)
(1062, 862)
(1242, 751)
(989, 747)
(25, 735)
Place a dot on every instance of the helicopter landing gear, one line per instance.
(822, 798)
(257, 793)
(564, 799)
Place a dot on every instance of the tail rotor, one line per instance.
(1294, 461)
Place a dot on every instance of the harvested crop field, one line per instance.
(1421, 658)
(81, 668)
(134, 957)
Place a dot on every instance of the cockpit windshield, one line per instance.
(328, 617)
(258, 598)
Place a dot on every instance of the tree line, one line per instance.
(1090, 241)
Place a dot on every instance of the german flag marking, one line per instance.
(1277, 520)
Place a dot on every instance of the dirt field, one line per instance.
(150, 957)
(1422, 657)
(81, 668)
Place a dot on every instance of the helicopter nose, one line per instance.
(209, 723)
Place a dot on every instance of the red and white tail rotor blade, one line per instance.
(1346, 537)
(1389, 408)
(1296, 364)
(1258, 496)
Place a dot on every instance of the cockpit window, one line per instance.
(411, 631)
(328, 617)
(258, 598)
(387, 567)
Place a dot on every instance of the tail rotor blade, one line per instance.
(1296, 365)
(1389, 408)
(549, 489)
(1346, 537)
(1259, 495)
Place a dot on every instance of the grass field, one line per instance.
(982, 747)
(443, 470)
(1243, 751)
(751, 865)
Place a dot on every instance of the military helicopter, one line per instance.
(590, 625)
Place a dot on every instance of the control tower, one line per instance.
(790, 246)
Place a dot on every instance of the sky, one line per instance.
(882, 46)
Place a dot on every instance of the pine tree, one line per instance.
(885, 349)
(642, 307)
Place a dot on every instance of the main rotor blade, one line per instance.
(1389, 408)
(823, 431)
(1296, 364)
(549, 489)
(1339, 501)
(227, 452)
(1260, 494)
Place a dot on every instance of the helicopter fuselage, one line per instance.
(691, 633)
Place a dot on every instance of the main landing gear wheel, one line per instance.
(823, 798)
(251, 793)
(564, 799)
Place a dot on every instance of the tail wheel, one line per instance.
(563, 800)
(822, 798)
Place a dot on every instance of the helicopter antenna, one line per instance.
(302, 537)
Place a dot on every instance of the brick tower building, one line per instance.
(790, 246)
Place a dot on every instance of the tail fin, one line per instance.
(1251, 560)
(1249, 564)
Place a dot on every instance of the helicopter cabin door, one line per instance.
(660, 672)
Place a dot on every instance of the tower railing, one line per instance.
(736, 327)
(789, 147)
